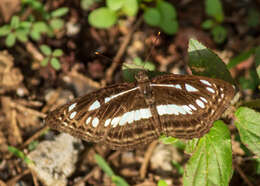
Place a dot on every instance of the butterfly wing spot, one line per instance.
(178, 86)
(138, 115)
(131, 117)
(187, 109)
(203, 99)
(115, 121)
(125, 118)
(65, 123)
(222, 95)
(107, 99)
(107, 122)
(95, 122)
(94, 105)
(200, 103)
(146, 113)
(88, 120)
(72, 115)
(190, 88)
(192, 106)
(205, 82)
(210, 89)
(72, 106)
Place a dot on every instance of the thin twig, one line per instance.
(147, 157)
(120, 53)
(242, 174)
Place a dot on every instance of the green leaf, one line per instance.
(211, 163)
(152, 16)
(57, 53)
(168, 22)
(166, 10)
(214, 9)
(15, 21)
(104, 166)
(56, 24)
(219, 34)
(55, 63)
(86, 4)
(59, 12)
(247, 123)
(22, 35)
(130, 7)
(204, 62)
(240, 58)
(191, 146)
(178, 166)
(35, 36)
(40, 27)
(250, 82)
(119, 181)
(45, 61)
(115, 4)
(46, 50)
(102, 18)
(162, 183)
(207, 24)
(26, 24)
(19, 154)
(4, 30)
(10, 40)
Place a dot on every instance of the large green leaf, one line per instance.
(204, 62)
(248, 124)
(102, 18)
(211, 162)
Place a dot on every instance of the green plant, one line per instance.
(13, 31)
(119, 181)
(19, 154)
(162, 183)
(51, 57)
(163, 15)
(21, 30)
(214, 10)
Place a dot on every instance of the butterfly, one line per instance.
(126, 116)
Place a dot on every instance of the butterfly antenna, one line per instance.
(153, 45)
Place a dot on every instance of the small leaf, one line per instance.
(207, 24)
(55, 63)
(45, 61)
(247, 122)
(240, 58)
(19, 154)
(178, 166)
(162, 183)
(219, 34)
(46, 50)
(10, 40)
(4, 30)
(104, 166)
(59, 12)
(35, 36)
(119, 181)
(22, 35)
(115, 4)
(102, 18)
(40, 27)
(214, 9)
(86, 4)
(56, 24)
(168, 22)
(15, 21)
(57, 53)
(152, 16)
(26, 24)
(211, 163)
(130, 7)
(204, 62)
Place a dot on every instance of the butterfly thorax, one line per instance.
(146, 91)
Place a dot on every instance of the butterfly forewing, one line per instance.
(130, 115)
